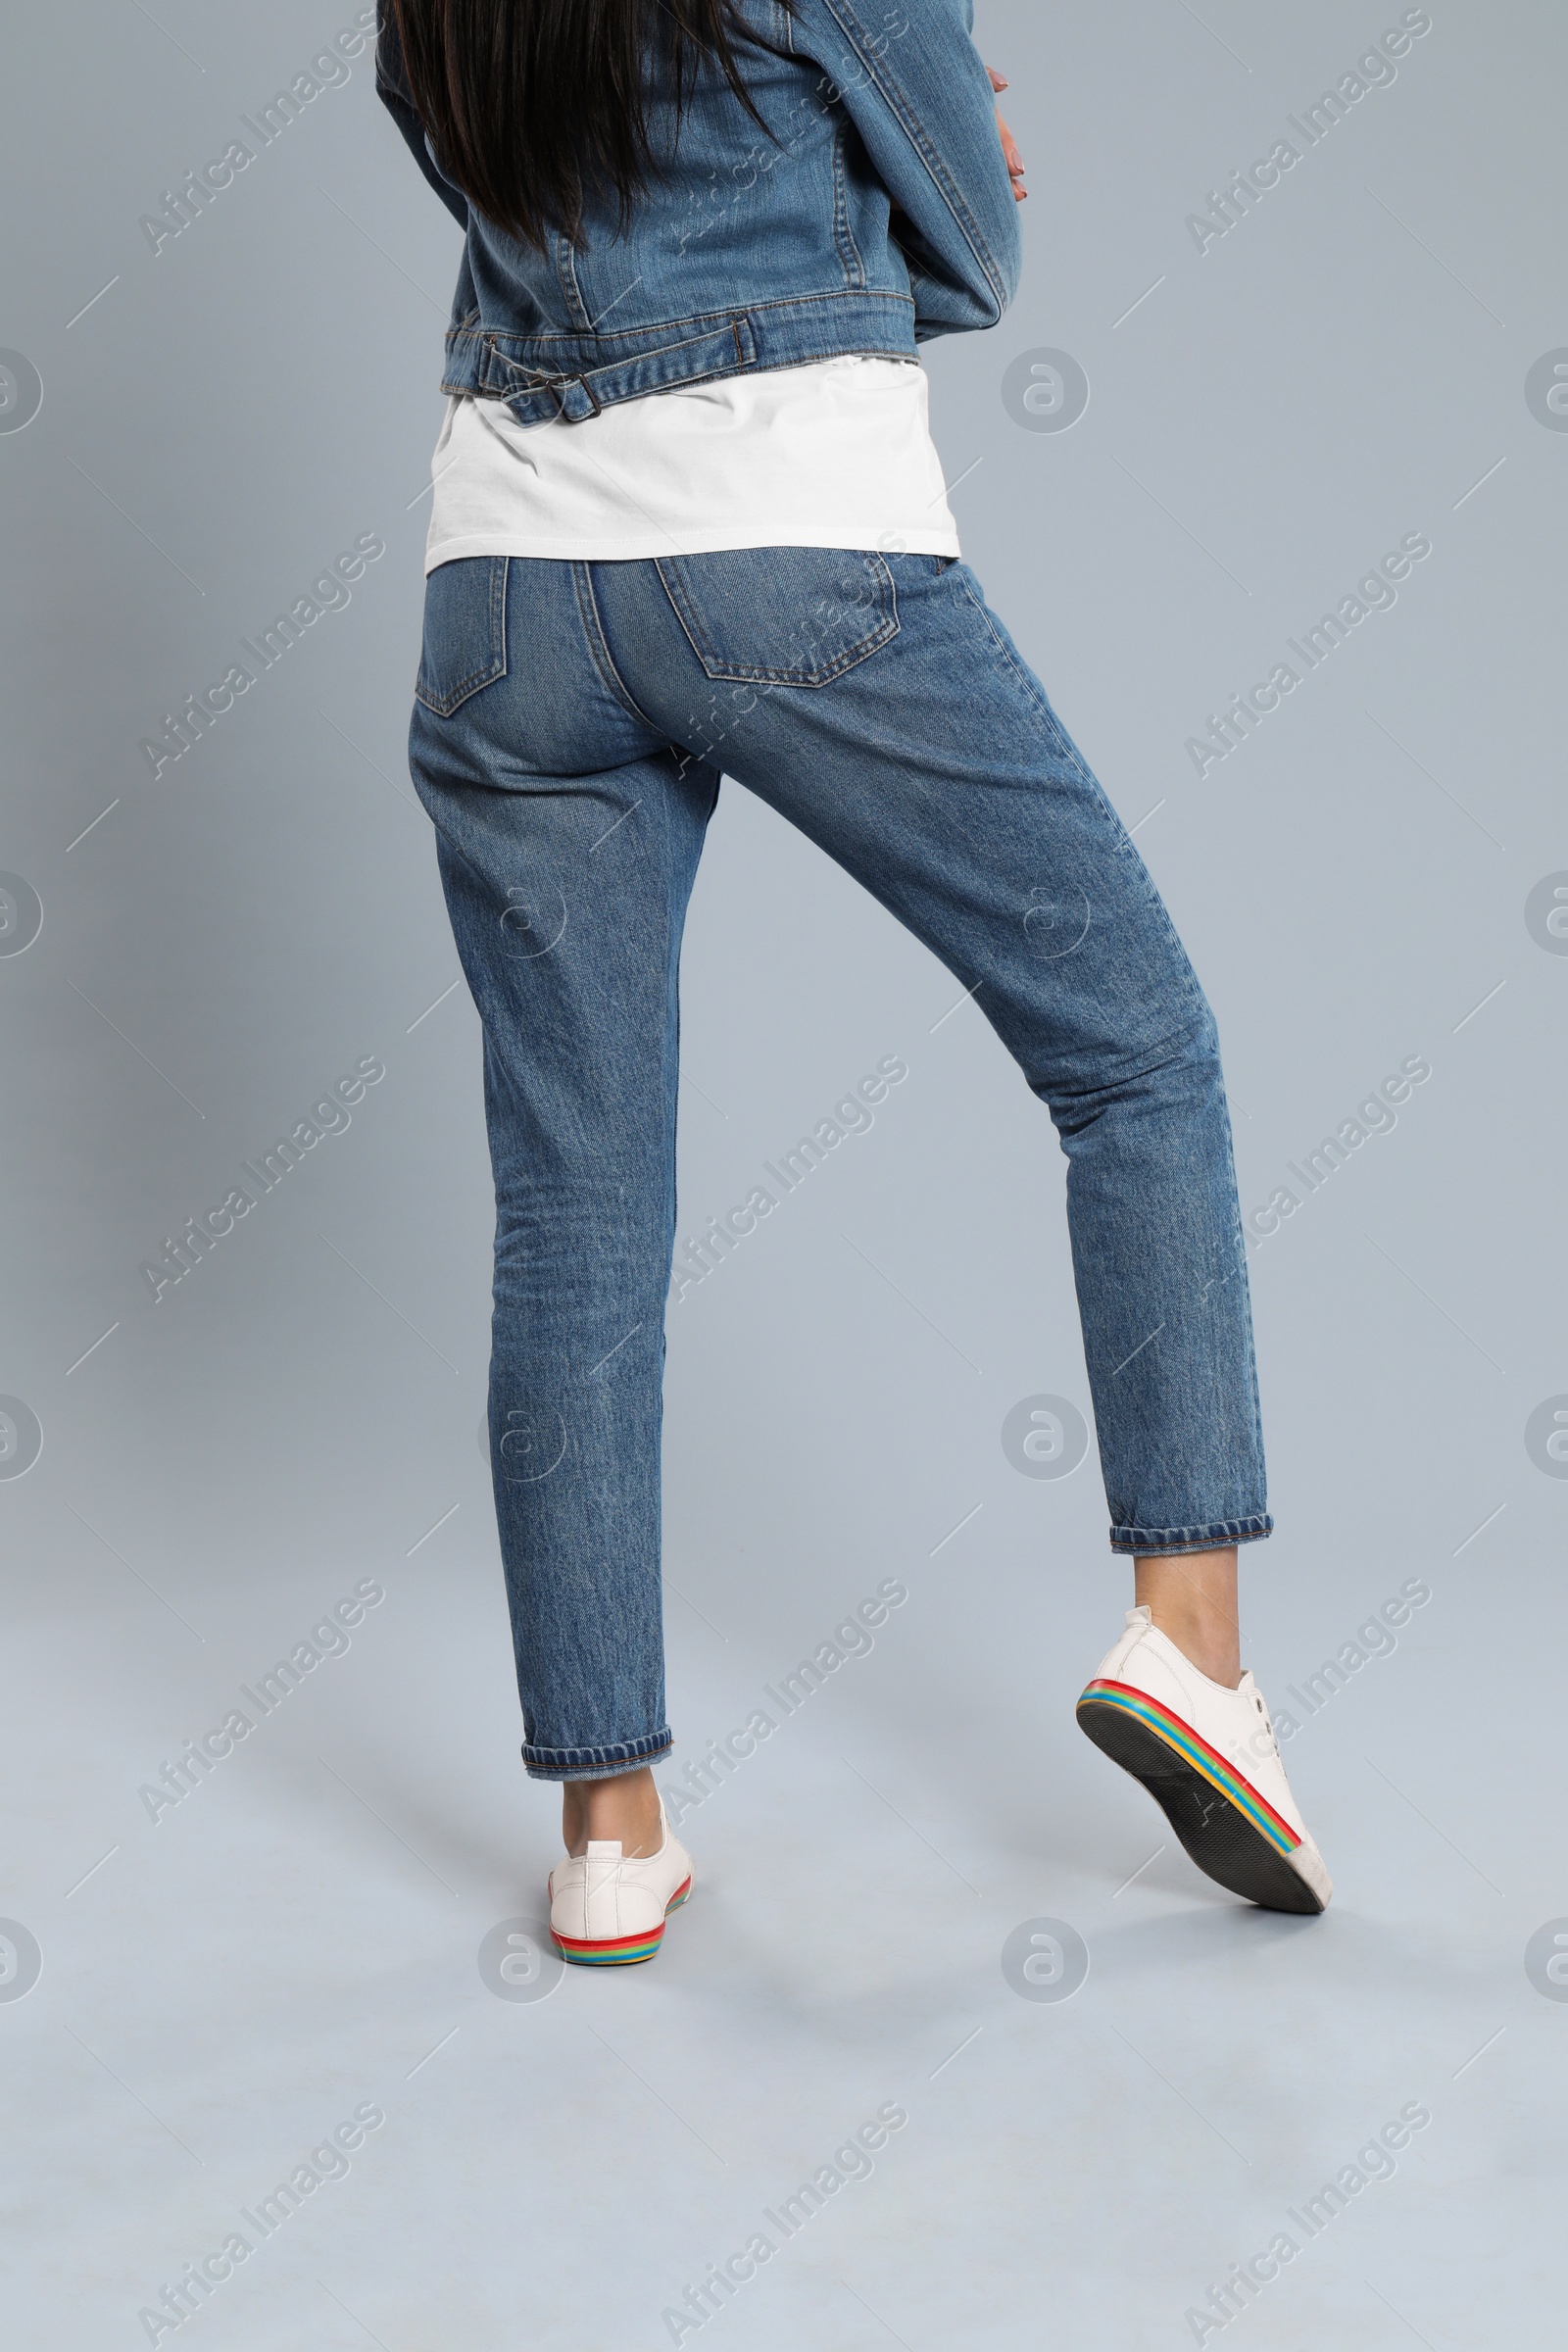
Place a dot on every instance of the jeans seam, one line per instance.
(588, 1758)
(1216, 1532)
(1240, 1244)
(714, 320)
(1030, 688)
(843, 236)
(599, 646)
(1032, 692)
(567, 274)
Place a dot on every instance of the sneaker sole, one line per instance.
(1232, 1833)
(618, 1952)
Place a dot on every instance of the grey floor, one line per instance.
(193, 2004)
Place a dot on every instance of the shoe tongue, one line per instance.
(604, 1850)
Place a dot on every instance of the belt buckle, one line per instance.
(540, 382)
(556, 383)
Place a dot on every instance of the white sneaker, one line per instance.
(605, 1911)
(1208, 1757)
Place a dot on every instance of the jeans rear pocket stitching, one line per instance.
(485, 674)
(715, 666)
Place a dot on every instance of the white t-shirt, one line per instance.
(834, 454)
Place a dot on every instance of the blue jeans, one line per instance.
(571, 723)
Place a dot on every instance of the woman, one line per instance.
(688, 517)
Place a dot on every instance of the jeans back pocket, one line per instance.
(782, 615)
(464, 643)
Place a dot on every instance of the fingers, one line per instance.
(1013, 160)
(1010, 145)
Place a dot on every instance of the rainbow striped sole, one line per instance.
(1229, 1830)
(1204, 1760)
(618, 1952)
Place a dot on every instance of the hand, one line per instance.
(1010, 145)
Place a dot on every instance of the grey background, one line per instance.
(221, 1988)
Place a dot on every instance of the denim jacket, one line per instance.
(751, 251)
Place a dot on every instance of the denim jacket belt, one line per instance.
(575, 376)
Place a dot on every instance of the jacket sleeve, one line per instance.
(910, 80)
(392, 89)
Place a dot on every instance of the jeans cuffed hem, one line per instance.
(1157, 1542)
(596, 1763)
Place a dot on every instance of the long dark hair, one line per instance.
(529, 102)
